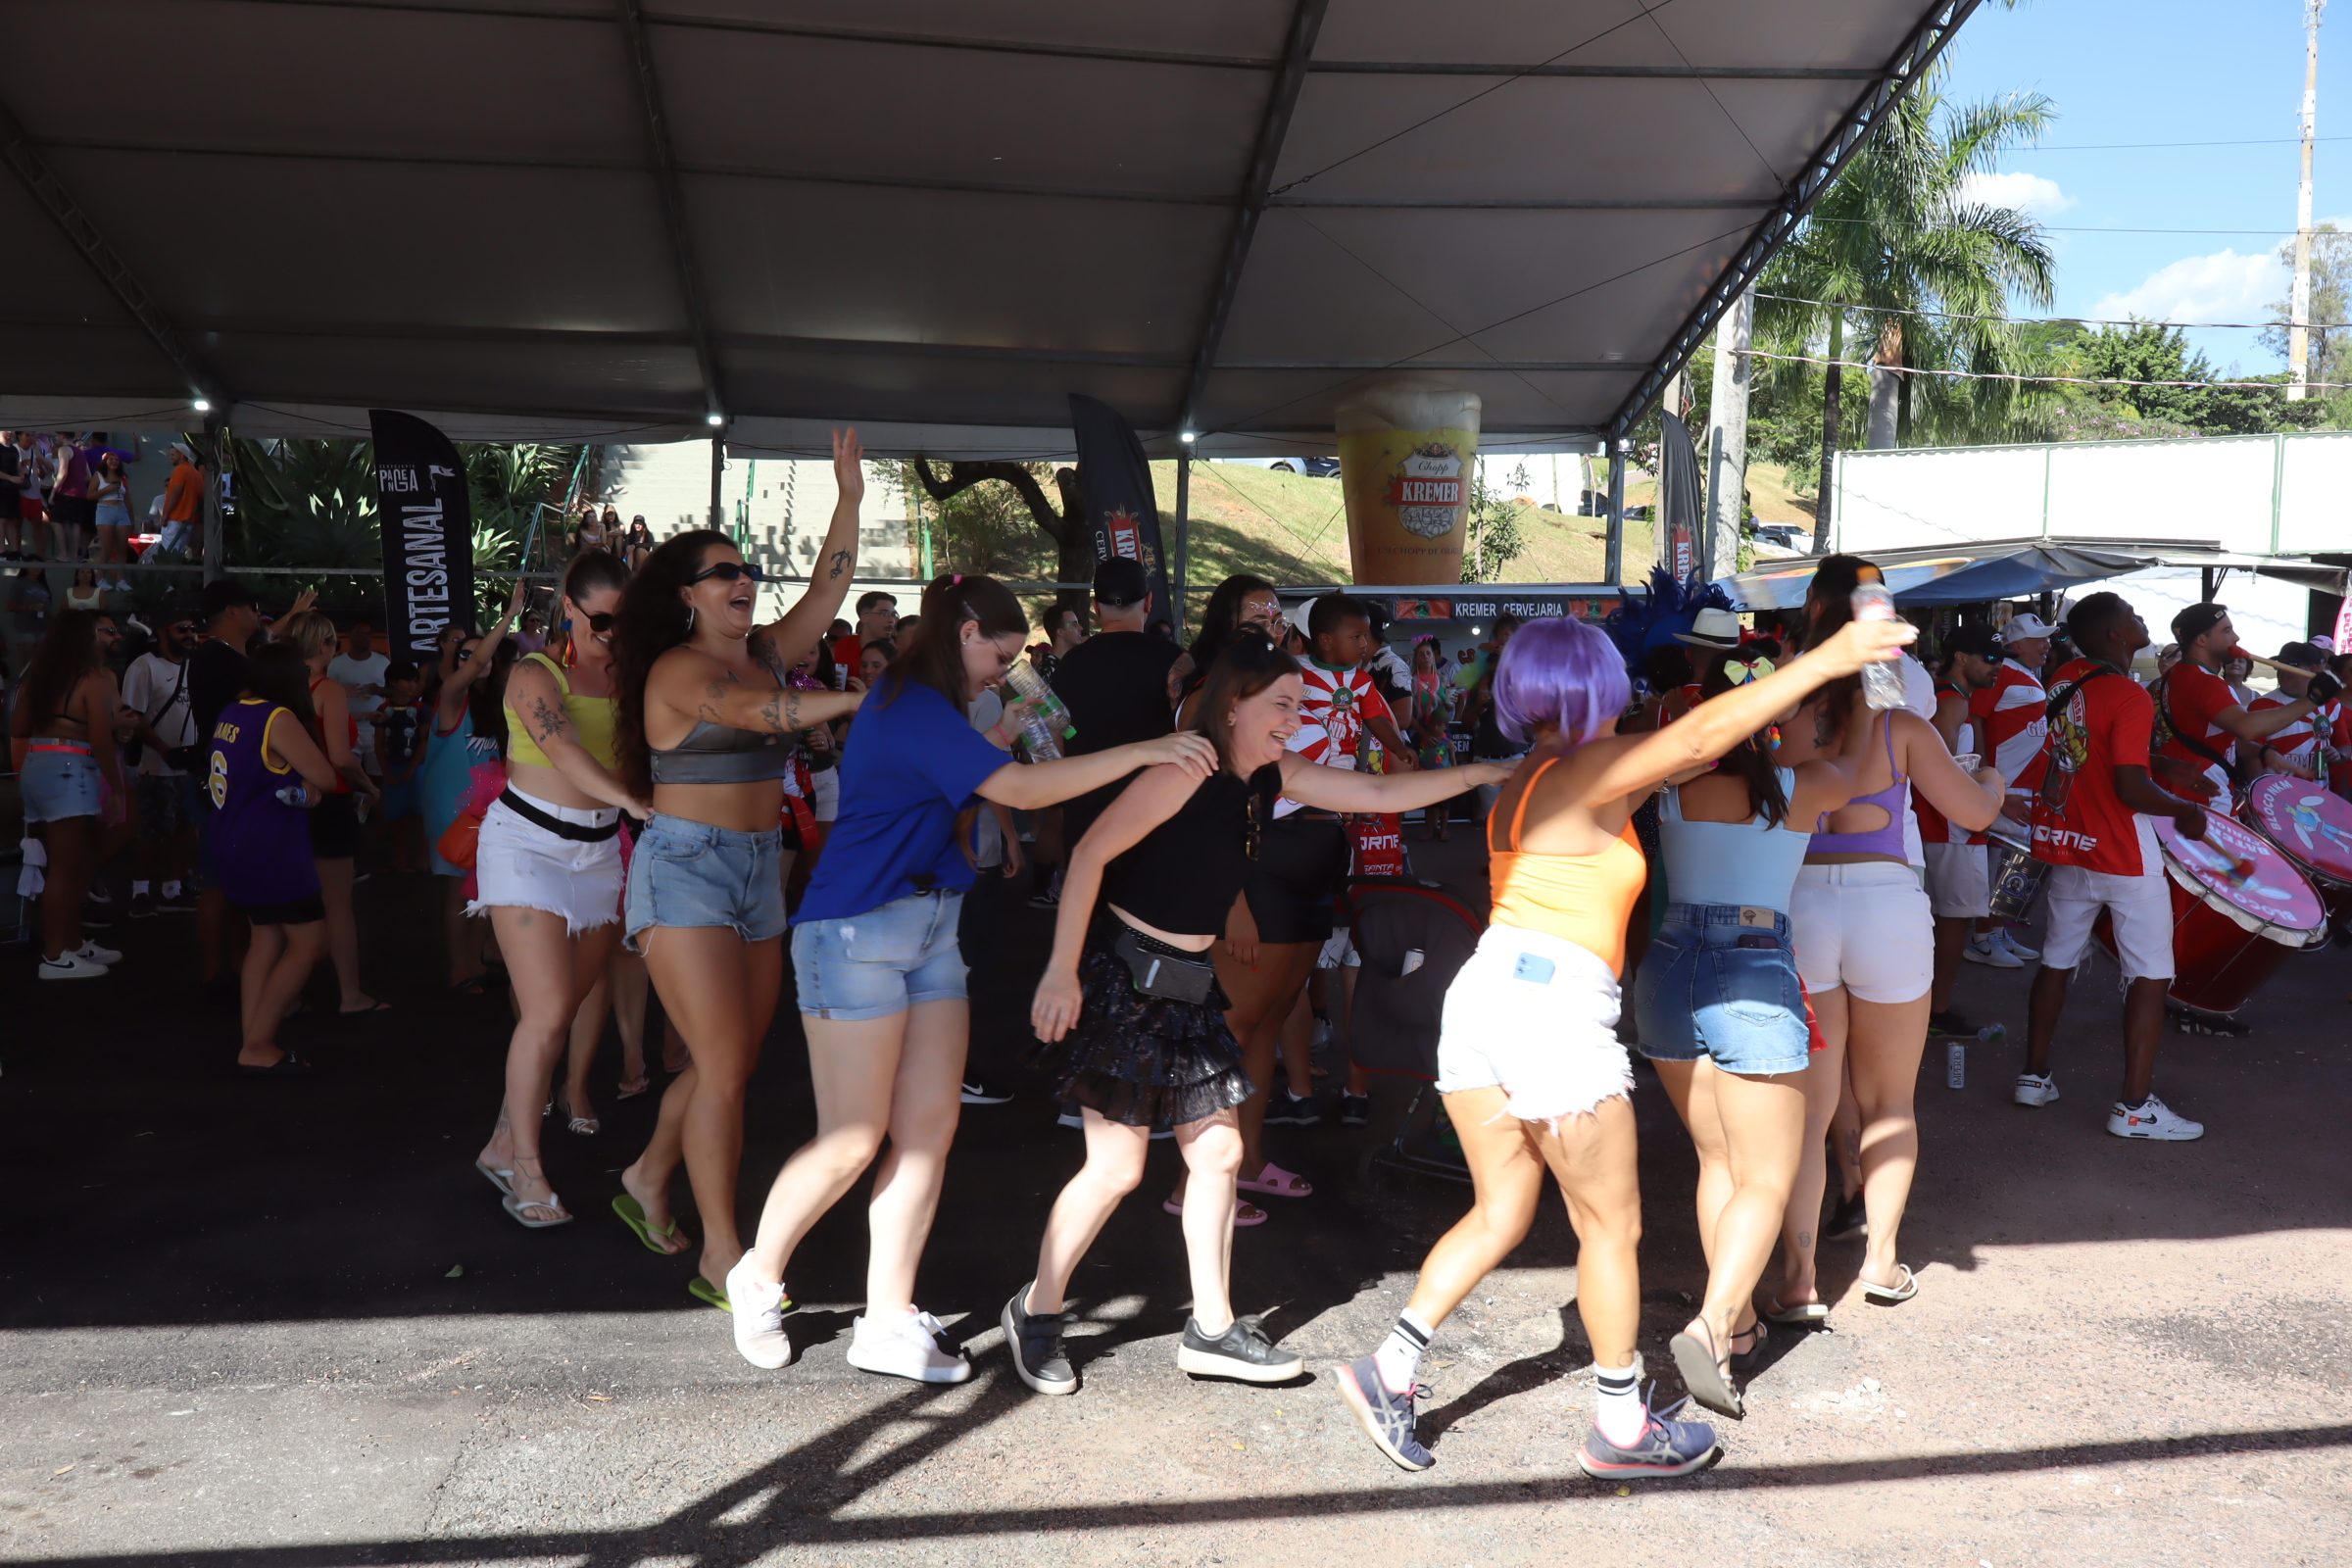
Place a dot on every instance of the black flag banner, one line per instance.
(427, 524)
(1119, 504)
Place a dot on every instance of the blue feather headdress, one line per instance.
(1641, 623)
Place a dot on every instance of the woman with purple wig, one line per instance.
(1528, 1057)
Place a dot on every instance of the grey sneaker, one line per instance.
(1035, 1339)
(1241, 1351)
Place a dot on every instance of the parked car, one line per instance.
(1313, 468)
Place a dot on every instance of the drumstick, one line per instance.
(2292, 670)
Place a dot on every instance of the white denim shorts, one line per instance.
(520, 865)
(1865, 927)
(1534, 1014)
(2140, 908)
(1959, 883)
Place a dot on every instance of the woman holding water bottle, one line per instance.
(1864, 938)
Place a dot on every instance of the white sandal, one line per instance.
(514, 1204)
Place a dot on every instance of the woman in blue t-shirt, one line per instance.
(881, 982)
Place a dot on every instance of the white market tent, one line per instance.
(648, 219)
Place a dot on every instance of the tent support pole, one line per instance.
(718, 468)
(215, 431)
(1184, 512)
(1612, 565)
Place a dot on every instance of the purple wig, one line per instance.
(1560, 672)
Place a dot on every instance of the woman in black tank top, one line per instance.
(1132, 1013)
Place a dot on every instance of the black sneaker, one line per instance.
(1045, 899)
(1285, 1110)
(976, 1093)
(1665, 1447)
(1354, 1110)
(142, 906)
(1241, 1351)
(1848, 1220)
(1035, 1339)
(2189, 1021)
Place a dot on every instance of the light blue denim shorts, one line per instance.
(58, 784)
(685, 874)
(1720, 981)
(883, 961)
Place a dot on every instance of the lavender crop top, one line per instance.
(1887, 840)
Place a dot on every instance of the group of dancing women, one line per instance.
(1782, 974)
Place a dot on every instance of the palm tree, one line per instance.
(1899, 234)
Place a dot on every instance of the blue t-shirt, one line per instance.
(912, 762)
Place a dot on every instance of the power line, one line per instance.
(2131, 146)
(2046, 229)
(2050, 320)
(1995, 375)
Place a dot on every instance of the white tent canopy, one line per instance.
(642, 220)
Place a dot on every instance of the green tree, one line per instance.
(2148, 352)
(2330, 298)
(1494, 539)
(985, 526)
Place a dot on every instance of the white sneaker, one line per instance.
(2016, 949)
(758, 1314)
(2036, 1089)
(1985, 951)
(72, 966)
(907, 1349)
(97, 954)
(2152, 1118)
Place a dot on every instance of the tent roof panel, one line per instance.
(1237, 30)
(1740, 35)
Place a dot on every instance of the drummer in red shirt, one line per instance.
(2011, 719)
(2298, 748)
(2093, 801)
(2198, 713)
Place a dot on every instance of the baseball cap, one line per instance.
(1120, 582)
(2027, 625)
(1979, 639)
(2308, 654)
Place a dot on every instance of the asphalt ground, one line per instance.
(285, 1323)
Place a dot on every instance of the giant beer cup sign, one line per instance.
(1406, 451)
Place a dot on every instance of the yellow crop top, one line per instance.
(591, 721)
(1583, 899)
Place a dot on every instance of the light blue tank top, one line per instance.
(1752, 864)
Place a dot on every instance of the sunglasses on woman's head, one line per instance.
(730, 571)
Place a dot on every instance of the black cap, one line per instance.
(2304, 653)
(222, 592)
(1981, 640)
(2195, 621)
(1120, 582)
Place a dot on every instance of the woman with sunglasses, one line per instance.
(1141, 1053)
(708, 718)
(547, 868)
(881, 978)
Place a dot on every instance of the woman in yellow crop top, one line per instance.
(549, 867)
(1528, 1057)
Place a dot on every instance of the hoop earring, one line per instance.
(689, 621)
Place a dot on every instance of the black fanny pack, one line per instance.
(556, 825)
(1160, 970)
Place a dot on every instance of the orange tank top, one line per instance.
(1584, 899)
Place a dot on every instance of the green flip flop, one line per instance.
(710, 1294)
(632, 1215)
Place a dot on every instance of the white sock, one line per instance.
(170, 890)
(137, 888)
(1617, 1410)
(1398, 1357)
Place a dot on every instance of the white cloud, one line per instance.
(2222, 287)
(2028, 193)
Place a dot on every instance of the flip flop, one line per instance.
(1808, 1312)
(1244, 1215)
(502, 1180)
(622, 1091)
(1746, 1361)
(710, 1294)
(632, 1215)
(1702, 1373)
(362, 1012)
(289, 1066)
(514, 1207)
(1279, 1183)
(1894, 1294)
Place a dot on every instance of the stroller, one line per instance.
(1412, 937)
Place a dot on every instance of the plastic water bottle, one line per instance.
(1048, 723)
(1881, 684)
(296, 795)
(1955, 1065)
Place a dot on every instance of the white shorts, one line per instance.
(1866, 927)
(2140, 908)
(1339, 952)
(520, 865)
(1534, 1014)
(1958, 883)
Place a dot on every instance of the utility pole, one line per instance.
(2298, 327)
(1727, 438)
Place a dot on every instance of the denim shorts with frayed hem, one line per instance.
(883, 961)
(685, 874)
(1720, 981)
(58, 784)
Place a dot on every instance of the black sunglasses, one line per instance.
(602, 621)
(731, 570)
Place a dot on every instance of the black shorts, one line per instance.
(1301, 866)
(73, 511)
(293, 911)
(334, 829)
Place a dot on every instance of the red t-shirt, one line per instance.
(847, 651)
(2299, 742)
(2009, 715)
(1340, 701)
(1934, 826)
(2077, 818)
(2192, 697)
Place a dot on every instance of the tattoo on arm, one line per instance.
(549, 719)
(762, 649)
(840, 559)
(781, 712)
(1825, 726)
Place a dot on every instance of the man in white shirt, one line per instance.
(360, 670)
(156, 688)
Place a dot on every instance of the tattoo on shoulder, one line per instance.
(762, 649)
(548, 719)
(840, 559)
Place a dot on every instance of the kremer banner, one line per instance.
(428, 525)
(1120, 507)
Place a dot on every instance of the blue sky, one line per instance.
(2163, 71)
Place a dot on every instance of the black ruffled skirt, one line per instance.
(1143, 1061)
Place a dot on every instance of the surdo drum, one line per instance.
(2312, 826)
(2016, 877)
(2238, 907)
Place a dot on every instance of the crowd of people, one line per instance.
(653, 792)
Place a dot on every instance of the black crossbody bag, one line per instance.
(1159, 970)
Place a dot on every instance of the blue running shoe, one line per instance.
(1387, 1418)
(1666, 1447)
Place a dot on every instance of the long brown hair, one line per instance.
(1752, 760)
(279, 673)
(1249, 666)
(652, 619)
(67, 654)
(934, 653)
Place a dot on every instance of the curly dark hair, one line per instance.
(652, 619)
